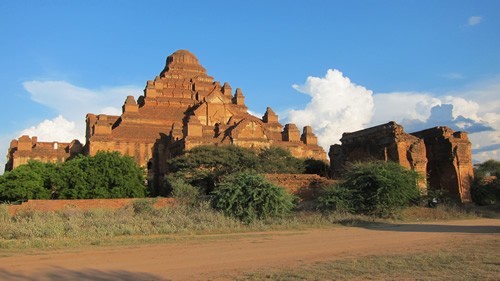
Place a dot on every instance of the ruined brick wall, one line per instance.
(386, 142)
(440, 155)
(25, 148)
(305, 186)
(81, 204)
(449, 161)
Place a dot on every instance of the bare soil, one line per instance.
(221, 257)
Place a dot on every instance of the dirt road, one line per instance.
(205, 258)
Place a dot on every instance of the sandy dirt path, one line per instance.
(218, 257)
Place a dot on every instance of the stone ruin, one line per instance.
(440, 155)
(181, 108)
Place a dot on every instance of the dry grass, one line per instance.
(474, 260)
(141, 223)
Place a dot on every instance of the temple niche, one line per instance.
(441, 156)
(181, 108)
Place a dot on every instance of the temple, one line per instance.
(441, 156)
(182, 108)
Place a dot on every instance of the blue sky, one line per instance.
(338, 65)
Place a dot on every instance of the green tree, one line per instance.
(34, 180)
(374, 188)
(204, 166)
(485, 189)
(487, 168)
(277, 160)
(248, 196)
(105, 175)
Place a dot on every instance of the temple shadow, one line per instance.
(58, 273)
(479, 229)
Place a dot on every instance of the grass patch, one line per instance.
(141, 223)
(469, 260)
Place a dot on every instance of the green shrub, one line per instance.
(335, 198)
(183, 192)
(34, 180)
(485, 189)
(374, 188)
(277, 160)
(318, 167)
(487, 168)
(248, 196)
(105, 175)
(486, 193)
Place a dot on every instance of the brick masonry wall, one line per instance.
(305, 186)
(82, 204)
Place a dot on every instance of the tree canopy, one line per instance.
(105, 175)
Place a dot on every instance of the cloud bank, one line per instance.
(338, 105)
(57, 129)
(72, 103)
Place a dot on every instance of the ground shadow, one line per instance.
(480, 229)
(58, 273)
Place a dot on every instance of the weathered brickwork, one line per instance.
(25, 148)
(441, 156)
(449, 164)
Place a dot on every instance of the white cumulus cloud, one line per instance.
(72, 103)
(57, 129)
(337, 105)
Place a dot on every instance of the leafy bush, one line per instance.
(277, 160)
(183, 192)
(486, 193)
(248, 196)
(485, 189)
(34, 180)
(335, 198)
(487, 168)
(318, 167)
(105, 175)
(373, 188)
